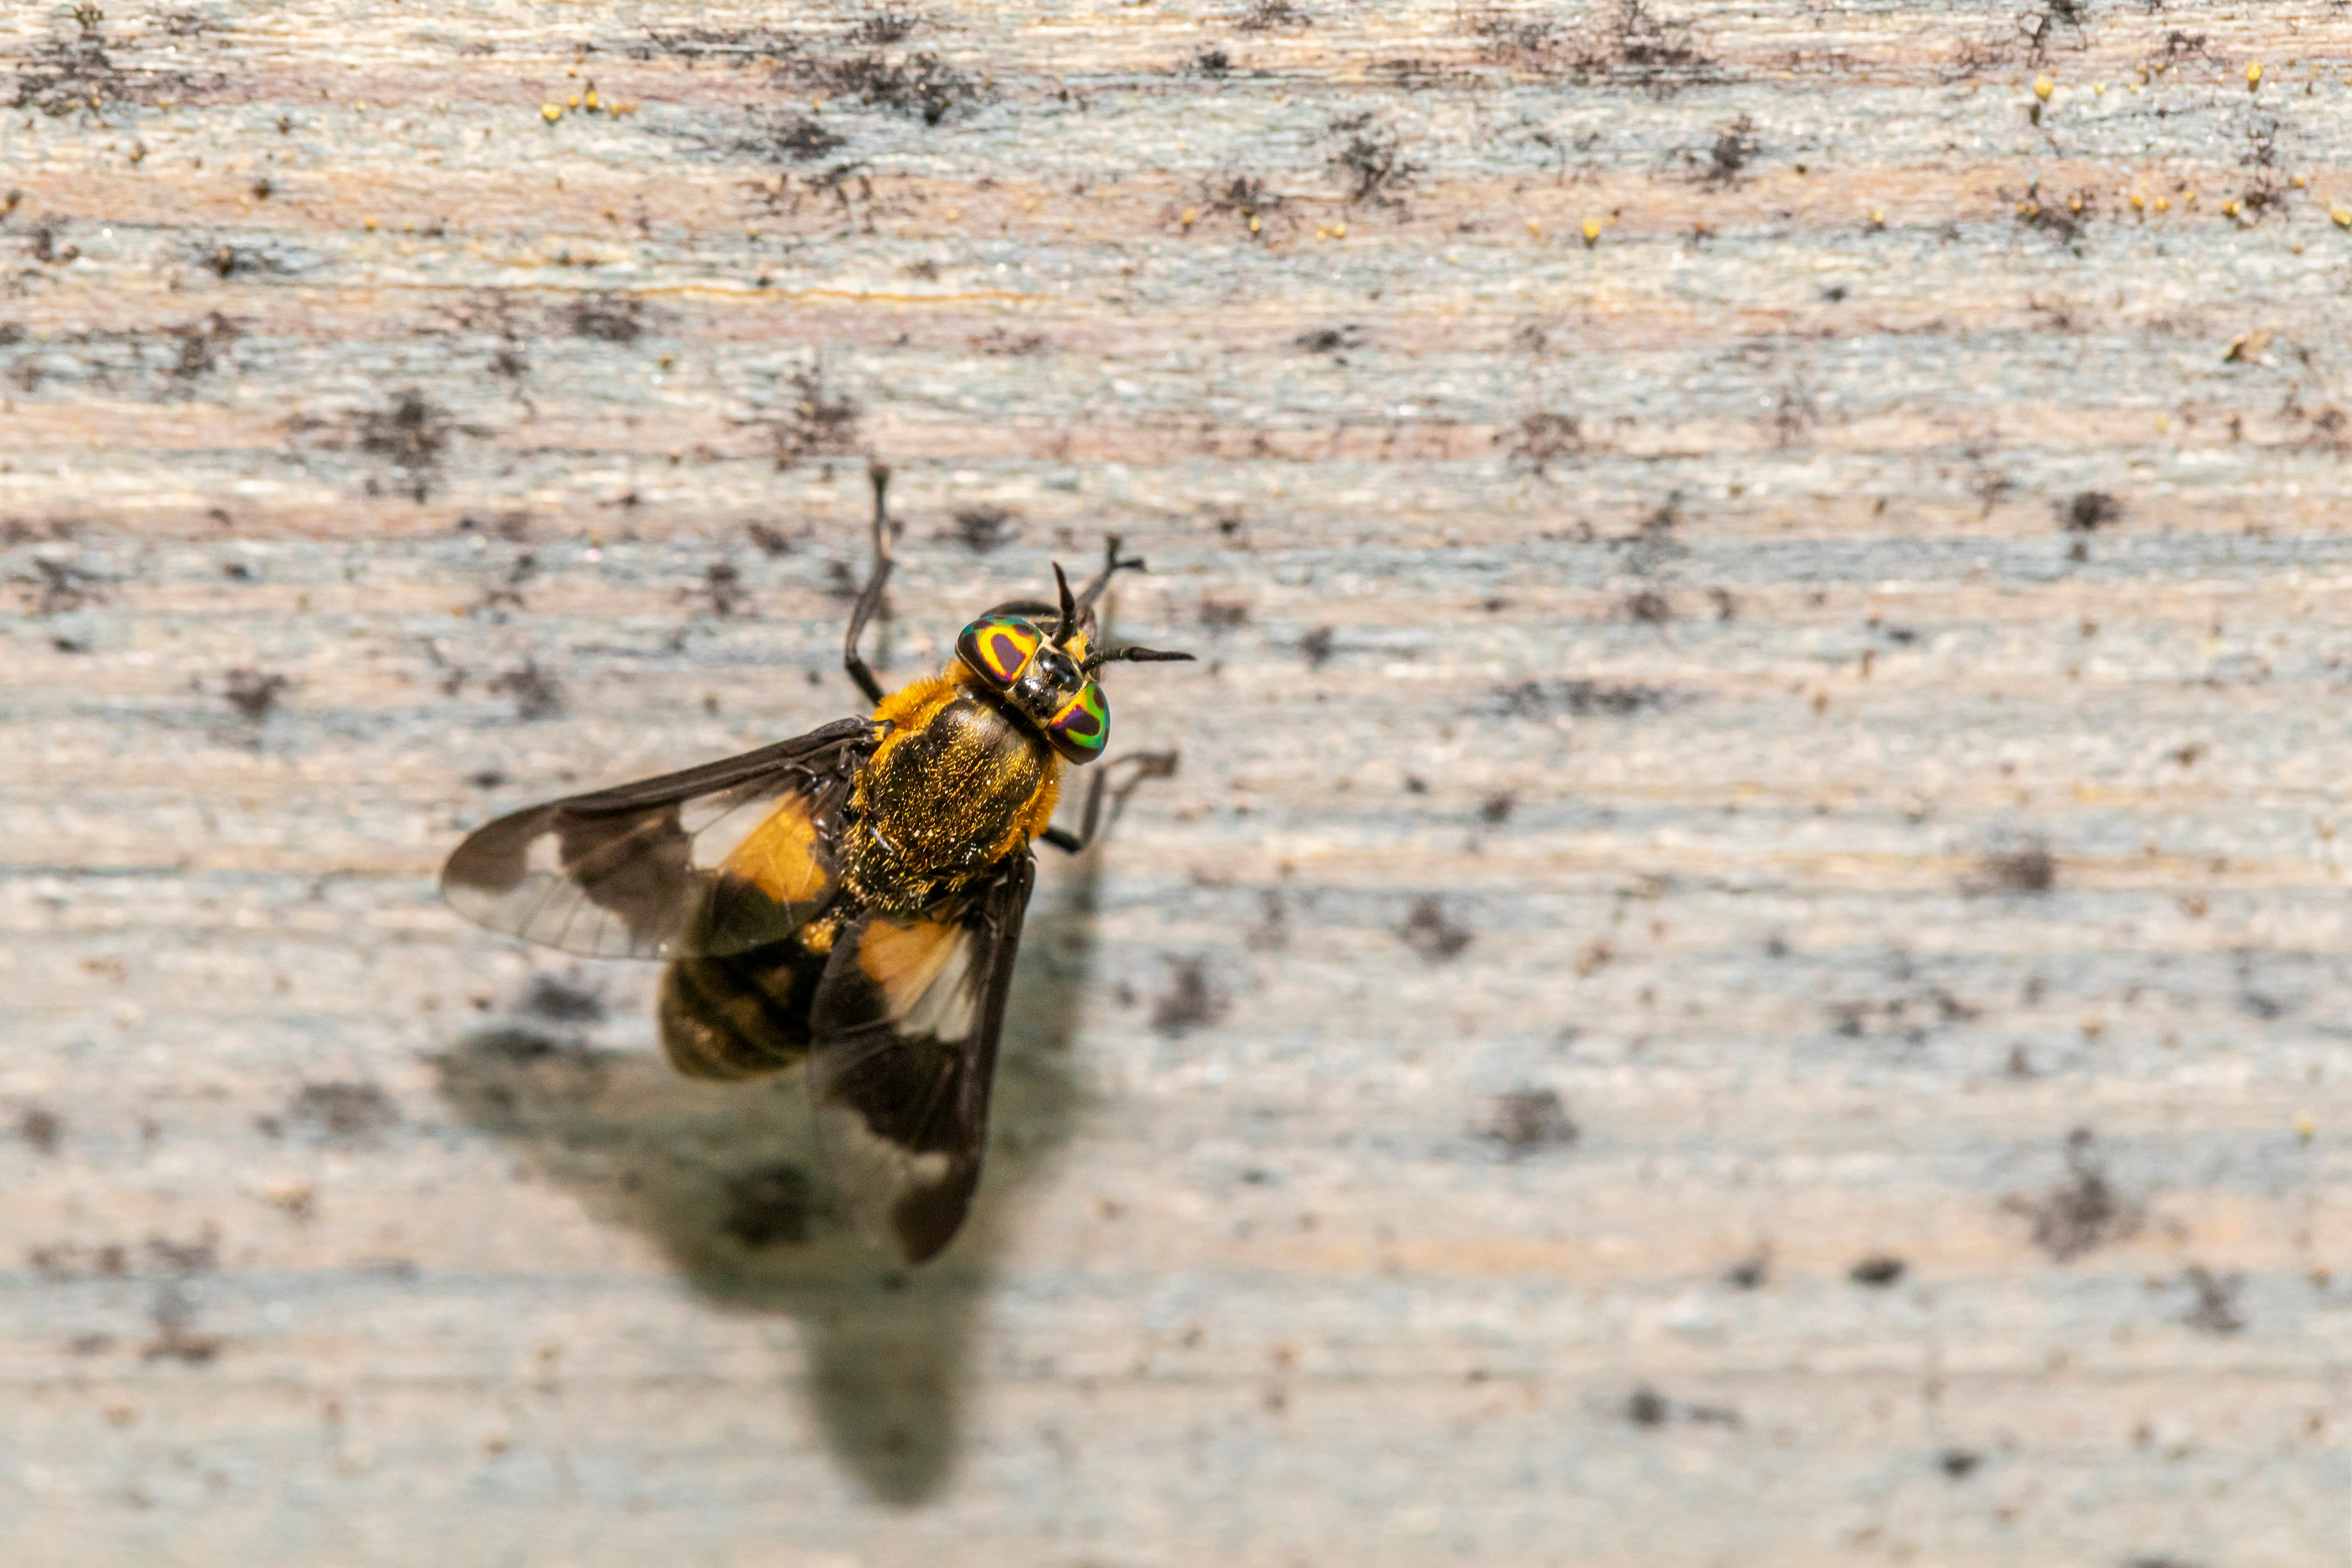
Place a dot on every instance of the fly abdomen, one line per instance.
(741, 1016)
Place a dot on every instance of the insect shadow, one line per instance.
(725, 1178)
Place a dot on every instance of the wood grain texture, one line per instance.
(1748, 962)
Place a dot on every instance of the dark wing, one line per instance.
(713, 860)
(904, 1029)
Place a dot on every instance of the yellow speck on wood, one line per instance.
(1535, 227)
(1592, 231)
(1188, 216)
(2138, 202)
(2343, 216)
(2253, 74)
(2164, 204)
(2305, 1128)
(551, 112)
(370, 225)
(2042, 88)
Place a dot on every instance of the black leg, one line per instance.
(1112, 562)
(870, 598)
(1147, 765)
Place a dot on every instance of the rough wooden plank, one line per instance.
(1792, 739)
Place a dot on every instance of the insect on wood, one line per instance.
(851, 899)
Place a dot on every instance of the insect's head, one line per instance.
(1044, 660)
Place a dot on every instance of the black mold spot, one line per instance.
(1629, 44)
(1649, 608)
(1960, 1463)
(1212, 63)
(1653, 541)
(57, 588)
(559, 1001)
(1316, 646)
(771, 541)
(267, 259)
(884, 27)
(412, 434)
(1369, 159)
(2081, 1213)
(2064, 219)
(1496, 809)
(200, 346)
(1581, 699)
(2089, 511)
(792, 137)
(42, 1129)
(1734, 149)
(920, 85)
(998, 342)
(2028, 870)
(607, 318)
(1428, 931)
(983, 529)
(1647, 1407)
(1878, 1271)
(821, 423)
(62, 1260)
(1267, 16)
(1223, 613)
(66, 75)
(1190, 1002)
(1527, 1119)
(253, 693)
(537, 694)
(1332, 339)
(344, 1111)
(1795, 412)
(723, 587)
(2216, 1312)
(2040, 24)
(1544, 438)
(1751, 1273)
(769, 1207)
(43, 246)
(1240, 195)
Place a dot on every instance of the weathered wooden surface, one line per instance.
(1815, 822)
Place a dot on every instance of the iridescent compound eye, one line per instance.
(1081, 726)
(997, 648)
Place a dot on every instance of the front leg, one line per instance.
(869, 598)
(1147, 765)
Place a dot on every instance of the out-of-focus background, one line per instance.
(1746, 965)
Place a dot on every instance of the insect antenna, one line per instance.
(1130, 655)
(1112, 562)
(1069, 622)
